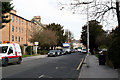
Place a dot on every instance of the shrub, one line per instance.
(42, 52)
(114, 52)
(29, 50)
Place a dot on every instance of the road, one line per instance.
(64, 66)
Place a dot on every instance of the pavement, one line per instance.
(97, 71)
(33, 57)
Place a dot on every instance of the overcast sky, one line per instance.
(50, 12)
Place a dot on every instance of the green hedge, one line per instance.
(114, 52)
(29, 50)
(42, 52)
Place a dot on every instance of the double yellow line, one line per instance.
(80, 64)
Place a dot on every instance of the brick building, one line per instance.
(17, 30)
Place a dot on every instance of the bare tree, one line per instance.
(46, 38)
(101, 10)
(69, 35)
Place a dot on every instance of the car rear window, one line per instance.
(3, 49)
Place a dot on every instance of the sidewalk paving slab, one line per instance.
(97, 71)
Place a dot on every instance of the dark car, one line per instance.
(63, 52)
(73, 50)
(84, 51)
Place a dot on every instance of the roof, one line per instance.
(21, 17)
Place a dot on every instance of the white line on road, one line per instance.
(41, 76)
(56, 67)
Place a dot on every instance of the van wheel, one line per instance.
(19, 60)
(5, 62)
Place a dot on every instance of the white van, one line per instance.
(10, 53)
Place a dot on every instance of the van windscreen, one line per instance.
(3, 49)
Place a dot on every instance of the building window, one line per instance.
(19, 21)
(19, 30)
(16, 29)
(16, 38)
(16, 19)
(19, 39)
(22, 38)
(29, 31)
(13, 18)
(29, 23)
(22, 30)
(12, 38)
(22, 21)
(12, 28)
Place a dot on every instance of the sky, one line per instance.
(50, 12)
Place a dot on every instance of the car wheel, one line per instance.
(56, 54)
(61, 54)
(5, 62)
(19, 60)
(48, 55)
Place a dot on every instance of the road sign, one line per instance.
(36, 43)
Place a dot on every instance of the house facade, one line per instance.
(17, 30)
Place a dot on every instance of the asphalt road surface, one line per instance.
(64, 66)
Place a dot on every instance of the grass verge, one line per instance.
(30, 55)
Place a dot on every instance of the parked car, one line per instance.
(52, 53)
(63, 52)
(84, 51)
(59, 52)
(73, 50)
(102, 51)
(79, 49)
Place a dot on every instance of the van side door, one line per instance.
(11, 55)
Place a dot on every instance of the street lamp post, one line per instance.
(87, 57)
(31, 48)
(118, 11)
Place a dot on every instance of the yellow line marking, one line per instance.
(80, 64)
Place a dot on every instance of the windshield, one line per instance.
(3, 49)
(52, 50)
(79, 47)
(65, 46)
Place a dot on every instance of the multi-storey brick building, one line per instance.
(17, 30)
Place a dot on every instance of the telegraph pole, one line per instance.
(118, 11)
(87, 57)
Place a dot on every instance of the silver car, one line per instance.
(53, 53)
(59, 52)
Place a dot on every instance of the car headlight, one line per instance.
(53, 53)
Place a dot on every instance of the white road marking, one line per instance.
(41, 76)
(56, 67)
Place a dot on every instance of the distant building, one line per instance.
(77, 43)
(37, 21)
(17, 30)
